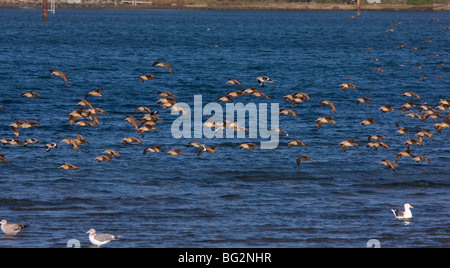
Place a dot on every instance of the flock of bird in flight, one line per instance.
(88, 116)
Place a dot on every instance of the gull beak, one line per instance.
(411, 207)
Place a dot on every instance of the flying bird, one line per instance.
(345, 86)
(263, 79)
(31, 95)
(363, 100)
(348, 143)
(323, 120)
(444, 124)
(421, 158)
(296, 143)
(60, 74)
(234, 82)
(147, 77)
(112, 153)
(402, 130)
(368, 121)
(386, 108)
(389, 164)
(127, 140)
(154, 149)
(95, 93)
(103, 158)
(303, 158)
(210, 149)
(175, 152)
(50, 146)
(68, 166)
(411, 94)
(3, 158)
(163, 64)
(401, 154)
(330, 103)
(248, 146)
(288, 112)
(260, 94)
(376, 137)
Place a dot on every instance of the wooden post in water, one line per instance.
(44, 10)
(358, 7)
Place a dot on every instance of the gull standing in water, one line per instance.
(12, 228)
(100, 239)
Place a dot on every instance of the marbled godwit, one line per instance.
(164, 65)
(303, 158)
(389, 164)
(234, 82)
(348, 143)
(147, 77)
(154, 149)
(248, 146)
(68, 166)
(330, 103)
(324, 120)
(60, 74)
(31, 95)
(95, 93)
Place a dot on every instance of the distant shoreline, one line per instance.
(236, 5)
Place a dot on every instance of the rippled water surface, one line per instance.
(235, 197)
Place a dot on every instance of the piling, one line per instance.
(358, 7)
(44, 10)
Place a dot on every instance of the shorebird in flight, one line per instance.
(175, 152)
(348, 143)
(127, 140)
(60, 74)
(368, 121)
(3, 158)
(345, 86)
(154, 149)
(147, 77)
(234, 82)
(303, 158)
(296, 143)
(411, 94)
(163, 64)
(248, 146)
(288, 112)
(31, 95)
(95, 93)
(403, 154)
(386, 108)
(363, 100)
(324, 120)
(389, 164)
(330, 103)
(68, 166)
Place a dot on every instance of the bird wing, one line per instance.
(104, 237)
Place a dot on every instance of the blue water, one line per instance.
(236, 197)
